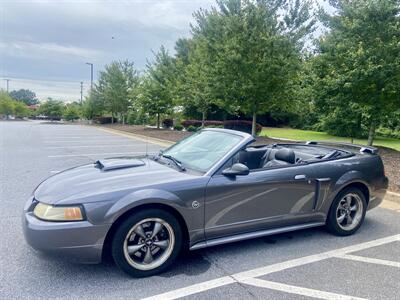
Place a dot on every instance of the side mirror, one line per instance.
(236, 169)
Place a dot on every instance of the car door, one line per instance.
(263, 199)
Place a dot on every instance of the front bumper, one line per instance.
(76, 241)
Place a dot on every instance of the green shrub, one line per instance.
(242, 125)
(178, 127)
(167, 123)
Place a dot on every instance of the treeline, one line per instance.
(12, 107)
(23, 103)
(257, 60)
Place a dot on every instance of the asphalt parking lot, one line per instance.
(300, 265)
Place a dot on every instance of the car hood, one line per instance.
(104, 180)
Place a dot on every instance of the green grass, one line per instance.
(308, 135)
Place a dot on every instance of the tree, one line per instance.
(192, 85)
(253, 49)
(157, 87)
(116, 88)
(72, 111)
(92, 107)
(52, 109)
(21, 110)
(6, 104)
(26, 96)
(358, 63)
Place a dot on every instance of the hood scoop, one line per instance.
(115, 164)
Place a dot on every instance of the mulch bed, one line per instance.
(390, 157)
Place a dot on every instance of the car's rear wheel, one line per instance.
(347, 212)
(147, 243)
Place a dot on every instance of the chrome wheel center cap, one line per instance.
(149, 242)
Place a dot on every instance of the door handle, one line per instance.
(300, 177)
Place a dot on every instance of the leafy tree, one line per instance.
(6, 104)
(116, 88)
(157, 87)
(20, 109)
(26, 96)
(193, 71)
(53, 109)
(72, 111)
(359, 59)
(253, 50)
(93, 106)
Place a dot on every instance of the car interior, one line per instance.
(267, 156)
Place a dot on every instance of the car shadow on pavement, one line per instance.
(189, 263)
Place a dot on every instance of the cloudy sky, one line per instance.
(44, 44)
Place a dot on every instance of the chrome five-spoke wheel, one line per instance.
(149, 244)
(349, 212)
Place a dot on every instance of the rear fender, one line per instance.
(344, 181)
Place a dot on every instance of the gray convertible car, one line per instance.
(211, 188)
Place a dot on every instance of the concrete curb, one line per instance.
(144, 138)
(393, 197)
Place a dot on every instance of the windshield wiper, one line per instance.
(176, 162)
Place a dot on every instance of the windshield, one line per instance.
(202, 150)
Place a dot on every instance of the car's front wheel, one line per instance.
(147, 242)
(347, 212)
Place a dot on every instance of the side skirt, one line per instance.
(252, 235)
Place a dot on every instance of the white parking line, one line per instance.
(90, 146)
(251, 274)
(371, 260)
(87, 154)
(59, 137)
(314, 258)
(292, 289)
(91, 141)
(193, 289)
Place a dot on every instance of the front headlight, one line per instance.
(58, 213)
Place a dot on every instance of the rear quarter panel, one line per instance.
(334, 176)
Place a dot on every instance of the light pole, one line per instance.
(91, 75)
(8, 80)
(81, 91)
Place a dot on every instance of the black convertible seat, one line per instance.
(251, 157)
(283, 157)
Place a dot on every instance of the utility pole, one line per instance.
(91, 76)
(81, 91)
(8, 80)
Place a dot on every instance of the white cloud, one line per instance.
(45, 50)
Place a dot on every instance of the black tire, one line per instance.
(118, 249)
(332, 223)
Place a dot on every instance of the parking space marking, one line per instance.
(242, 277)
(315, 257)
(88, 154)
(371, 260)
(89, 146)
(193, 289)
(87, 140)
(292, 289)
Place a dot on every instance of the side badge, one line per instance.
(195, 204)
